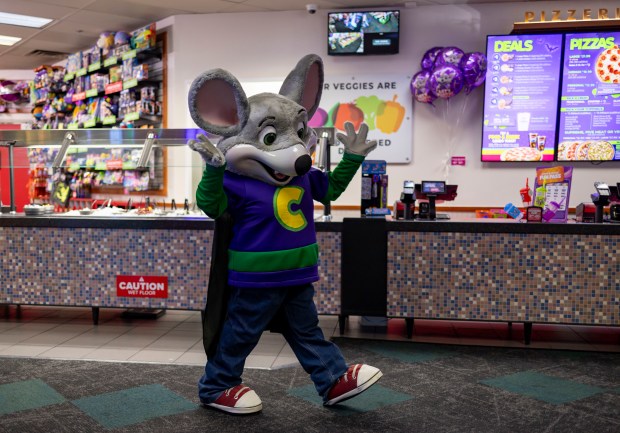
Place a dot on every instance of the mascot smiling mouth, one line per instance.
(279, 177)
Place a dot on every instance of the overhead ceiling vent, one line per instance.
(46, 53)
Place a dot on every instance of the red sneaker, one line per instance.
(357, 379)
(240, 399)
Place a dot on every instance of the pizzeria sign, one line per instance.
(142, 286)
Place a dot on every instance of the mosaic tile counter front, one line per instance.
(504, 276)
(79, 266)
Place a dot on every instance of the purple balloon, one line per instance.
(420, 87)
(474, 67)
(446, 81)
(449, 56)
(8, 91)
(428, 60)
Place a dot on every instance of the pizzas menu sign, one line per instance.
(590, 101)
(552, 96)
(521, 94)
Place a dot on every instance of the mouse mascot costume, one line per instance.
(259, 183)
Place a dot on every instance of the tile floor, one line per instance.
(175, 337)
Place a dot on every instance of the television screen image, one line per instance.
(350, 43)
(521, 97)
(589, 127)
(362, 33)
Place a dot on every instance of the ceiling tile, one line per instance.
(287, 5)
(20, 32)
(188, 6)
(148, 11)
(66, 3)
(103, 21)
(77, 40)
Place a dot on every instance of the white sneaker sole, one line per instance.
(236, 410)
(363, 387)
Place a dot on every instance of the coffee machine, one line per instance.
(600, 199)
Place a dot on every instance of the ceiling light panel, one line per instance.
(9, 40)
(23, 20)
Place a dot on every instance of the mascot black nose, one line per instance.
(303, 164)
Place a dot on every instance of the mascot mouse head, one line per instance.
(265, 136)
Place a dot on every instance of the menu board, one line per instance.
(521, 97)
(590, 99)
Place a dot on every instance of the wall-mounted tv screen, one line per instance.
(363, 33)
(521, 97)
(590, 99)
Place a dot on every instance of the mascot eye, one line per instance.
(301, 129)
(268, 135)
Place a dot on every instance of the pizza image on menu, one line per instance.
(566, 150)
(521, 154)
(601, 151)
(586, 151)
(608, 66)
(581, 151)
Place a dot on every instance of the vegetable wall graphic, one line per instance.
(383, 104)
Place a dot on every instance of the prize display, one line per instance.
(589, 107)
(85, 169)
(116, 82)
(520, 100)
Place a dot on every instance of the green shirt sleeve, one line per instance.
(210, 195)
(341, 176)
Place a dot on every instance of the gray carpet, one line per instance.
(425, 388)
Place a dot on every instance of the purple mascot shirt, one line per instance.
(274, 239)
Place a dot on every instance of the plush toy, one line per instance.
(259, 183)
(105, 43)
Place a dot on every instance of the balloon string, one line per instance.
(460, 117)
(448, 128)
(451, 131)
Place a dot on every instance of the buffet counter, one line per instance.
(75, 261)
(504, 271)
(486, 270)
(483, 270)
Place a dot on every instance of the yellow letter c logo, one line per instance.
(283, 199)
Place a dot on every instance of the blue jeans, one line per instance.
(249, 312)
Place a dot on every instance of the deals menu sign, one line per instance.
(590, 99)
(520, 100)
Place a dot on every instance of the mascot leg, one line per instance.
(249, 313)
(333, 379)
(319, 357)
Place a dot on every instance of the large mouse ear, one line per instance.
(305, 83)
(218, 104)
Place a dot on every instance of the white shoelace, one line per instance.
(236, 397)
(353, 374)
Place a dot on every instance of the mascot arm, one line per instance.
(210, 195)
(341, 176)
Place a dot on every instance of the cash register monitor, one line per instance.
(433, 187)
(428, 189)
